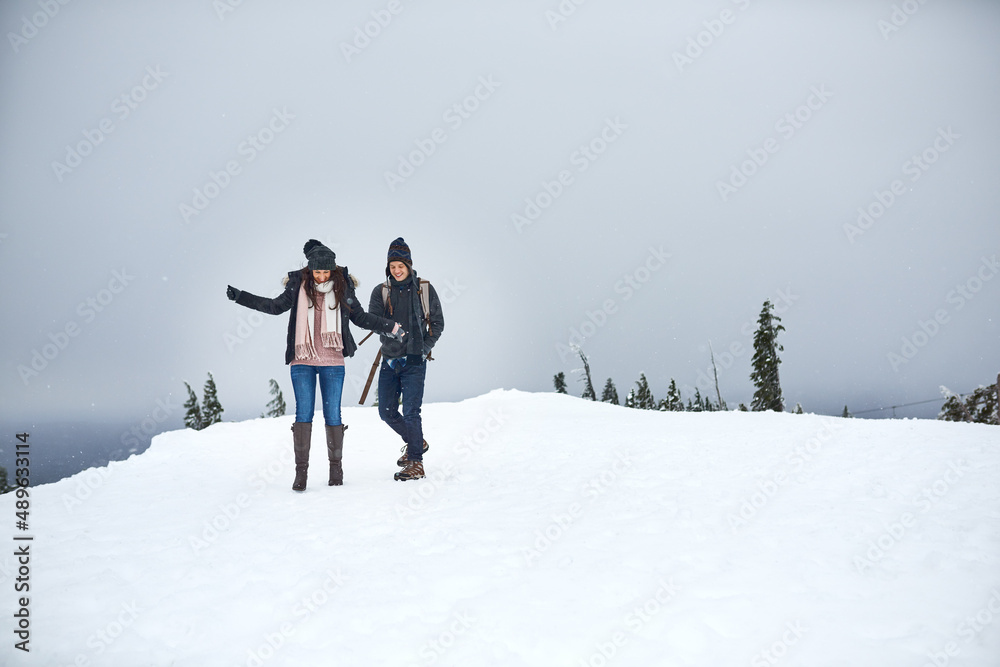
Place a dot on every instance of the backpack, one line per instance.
(423, 291)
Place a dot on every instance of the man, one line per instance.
(417, 309)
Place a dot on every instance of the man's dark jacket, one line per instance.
(406, 309)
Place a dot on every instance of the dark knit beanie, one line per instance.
(399, 252)
(320, 257)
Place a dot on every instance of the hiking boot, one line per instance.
(413, 470)
(335, 450)
(402, 461)
(301, 438)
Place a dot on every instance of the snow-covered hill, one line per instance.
(550, 531)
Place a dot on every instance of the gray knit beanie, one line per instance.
(319, 256)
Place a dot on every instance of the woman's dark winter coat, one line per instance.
(289, 299)
(406, 309)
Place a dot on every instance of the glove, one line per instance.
(426, 355)
(397, 334)
(232, 293)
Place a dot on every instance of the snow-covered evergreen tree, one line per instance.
(610, 393)
(765, 362)
(560, 382)
(798, 408)
(979, 407)
(211, 409)
(193, 417)
(673, 401)
(643, 395)
(276, 406)
(845, 414)
(630, 399)
(588, 383)
(5, 486)
(954, 408)
(983, 405)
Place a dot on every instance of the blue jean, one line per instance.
(331, 386)
(406, 378)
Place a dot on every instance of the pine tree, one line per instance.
(276, 407)
(610, 394)
(673, 400)
(193, 417)
(643, 396)
(699, 402)
(211, 409)
(954, 409)
(588, 384)
(718, 393)
(630, 399)
(981, 406)
(798, 408)
(560, 381)
(846, 414)
(765, 362)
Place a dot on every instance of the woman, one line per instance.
(322, 300)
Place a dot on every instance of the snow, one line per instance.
(551, 531)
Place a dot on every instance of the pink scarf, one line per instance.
(305, 322)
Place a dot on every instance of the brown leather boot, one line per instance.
(413, 470)
(335, 450)
(301, 438)
(403, 460)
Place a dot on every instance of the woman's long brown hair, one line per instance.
(339, 284)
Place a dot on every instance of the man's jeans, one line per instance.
(406, 376)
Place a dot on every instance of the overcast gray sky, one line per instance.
(641, 175)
